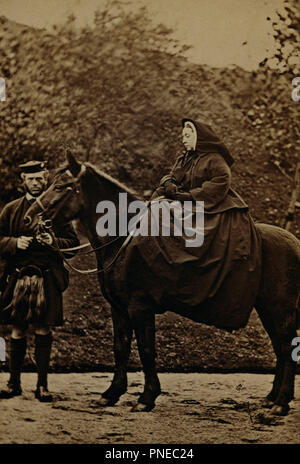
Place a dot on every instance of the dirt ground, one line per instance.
(193, 408)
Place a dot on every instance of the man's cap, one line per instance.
(33, 166)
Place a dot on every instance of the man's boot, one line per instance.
(42, 357)
(16, 359)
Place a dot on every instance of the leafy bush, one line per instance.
(117, 91)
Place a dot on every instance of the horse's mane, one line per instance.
(64, 167)
(112, 180)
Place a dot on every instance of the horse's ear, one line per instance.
(74, 165)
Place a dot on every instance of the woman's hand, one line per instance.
(160, 191)
(170, 189)
(183, 196)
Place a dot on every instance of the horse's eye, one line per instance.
(58, 187)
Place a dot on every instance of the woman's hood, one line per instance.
(208, 141)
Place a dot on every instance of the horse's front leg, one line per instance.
(143, 321)
(122, 343)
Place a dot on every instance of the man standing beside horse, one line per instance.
(33, 280)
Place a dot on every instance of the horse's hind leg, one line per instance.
(281, 333)
(143, 321)
(271, 397)
(288, 370)
(122, 343)
(283, 386)
(270, 329)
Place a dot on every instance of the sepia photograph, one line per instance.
(149, 225)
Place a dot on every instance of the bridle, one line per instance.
(71, 190)
(47, 225)
(43, 226)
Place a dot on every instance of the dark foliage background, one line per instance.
(116, 93)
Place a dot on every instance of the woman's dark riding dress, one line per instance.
(198, 276)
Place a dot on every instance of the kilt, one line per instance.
(52, 312)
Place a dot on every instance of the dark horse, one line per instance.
(76, 191)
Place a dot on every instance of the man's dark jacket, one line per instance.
(44, 257)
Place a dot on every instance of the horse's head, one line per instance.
(62, 201)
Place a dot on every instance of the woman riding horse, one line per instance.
(194, 275)
(202, 173)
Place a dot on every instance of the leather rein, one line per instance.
(46, 224)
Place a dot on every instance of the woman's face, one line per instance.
(189, 138)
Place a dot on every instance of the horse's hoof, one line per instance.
(105, 402)
(141, 407)
(280, 410)
(268, 404)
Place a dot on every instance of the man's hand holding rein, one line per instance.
(45, 238)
